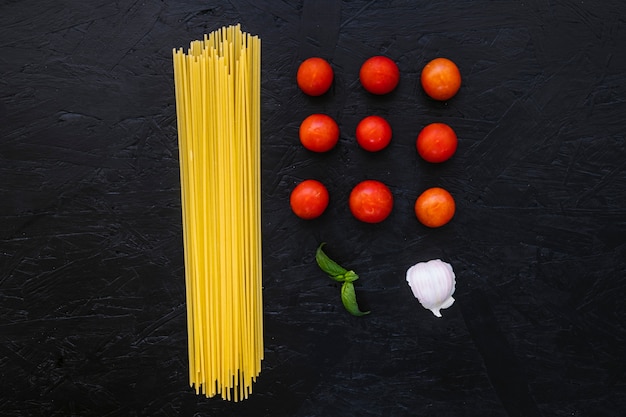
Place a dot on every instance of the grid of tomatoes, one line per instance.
(371, 201)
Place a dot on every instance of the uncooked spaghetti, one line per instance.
(217, 83)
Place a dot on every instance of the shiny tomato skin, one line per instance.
(315, 76)
(371, 201)
(319, 133)
(437, 142)
(379, 75)
(373, 133)
(309, 199)
(435, 207)
(441, 79)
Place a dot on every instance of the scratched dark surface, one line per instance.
(92, 306)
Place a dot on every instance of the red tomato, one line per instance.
(437, 142)
(315, 75)
(371, 201)
(373, 133)
(435, 207)
(319, 133)
(309, 199)
(379, 75)
(441, 79)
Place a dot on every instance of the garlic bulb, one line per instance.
(433, 284)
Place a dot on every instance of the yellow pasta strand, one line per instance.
(217, 83)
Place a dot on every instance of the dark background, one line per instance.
(92, 306)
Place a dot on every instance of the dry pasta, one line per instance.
(217, 84)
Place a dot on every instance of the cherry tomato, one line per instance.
(435, 207)
(437, 142)
(379, 75)
(373, 133)
(315, 76)
(309, 199)
(441, 79)
(371, 201)
(319, 133)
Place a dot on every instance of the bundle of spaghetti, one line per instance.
(217, 84)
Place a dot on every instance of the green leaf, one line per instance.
(348, 298)
(350, 276)
(329, 266)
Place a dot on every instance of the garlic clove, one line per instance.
(433, 284)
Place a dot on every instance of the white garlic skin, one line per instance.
(433, 284)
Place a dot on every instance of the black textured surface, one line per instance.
(92, 308)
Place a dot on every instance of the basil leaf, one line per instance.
(329, 266)
(348, 298)
(350, 276)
